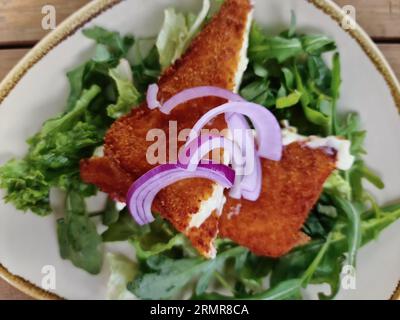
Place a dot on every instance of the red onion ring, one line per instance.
(142, 192)
(187, 95)
(267, 127)
(191, 155)
(250, 185)
(151, 98)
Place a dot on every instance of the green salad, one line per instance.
(294, 75)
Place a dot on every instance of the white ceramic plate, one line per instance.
(28, 242)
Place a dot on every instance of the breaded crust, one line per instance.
(271, 225)
(212, 59)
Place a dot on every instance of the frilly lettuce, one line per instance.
(122, 271)
(177, 32)
(128, 95)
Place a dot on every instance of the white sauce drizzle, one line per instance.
(120, 205)
(344, 159)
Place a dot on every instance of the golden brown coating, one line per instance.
(113, 180)
(212, 59)
(271, 225)
(205, 235)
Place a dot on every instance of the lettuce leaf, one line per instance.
(99, 88)
(177, 32)
(128, 95)
(111, 46)
(26, 187)
(52, 158)
(122, 272)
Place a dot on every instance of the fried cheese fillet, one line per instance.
(271, 225)
(215, 58)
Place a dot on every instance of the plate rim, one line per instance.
(91, 10)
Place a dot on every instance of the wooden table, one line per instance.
(20, 29)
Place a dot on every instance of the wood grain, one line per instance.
(7, 292)
(21, 20)
(380, 18)
(9, 58)
(392, 54)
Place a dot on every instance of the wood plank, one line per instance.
(380, 18)
(21, 20)
(7, 292)
(9, 58)
(392, 54)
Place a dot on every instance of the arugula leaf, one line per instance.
(289, 78)
(123, 228)
(250, 271)
(372, 177)
(262, 48)
(312, 115)
(144, 251)
(320, 76)
(354, 227)
(335, 90)
(316, 226)
(77, 235)
(293, 24)
(285, 290)
(260, 70)
(116, 45)
(167, 277)
(110, 215)
(75, 80)
(289, 71)
(293, 265)
(254, 90)
(317, 44)
(373, 226)
(288, 101)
